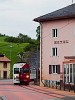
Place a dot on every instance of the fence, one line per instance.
(60, 85)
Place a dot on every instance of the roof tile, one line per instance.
(66, 12)
(2, 59)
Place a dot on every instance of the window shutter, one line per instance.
(58, 68)
(50, 69)
(56, 32)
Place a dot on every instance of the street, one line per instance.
(9, 91)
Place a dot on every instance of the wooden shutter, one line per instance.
(50, 69)
(58, 69)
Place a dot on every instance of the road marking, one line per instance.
(3, 98)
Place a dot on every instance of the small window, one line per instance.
(54, 32)
(16, 70)
(5, 65)
(54, 69)
(21, 70)
(24, 70)
(33, 71)
(54, 51)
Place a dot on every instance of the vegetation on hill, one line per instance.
(11, 50)
(12, 47)
(21, 38)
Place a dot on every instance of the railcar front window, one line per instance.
(16, 70)
(25, 70)
(21, 70)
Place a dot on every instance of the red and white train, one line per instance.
(22, 73)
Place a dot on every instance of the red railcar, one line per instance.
(21, 73)
(24, 74)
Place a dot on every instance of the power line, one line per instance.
(59, 29)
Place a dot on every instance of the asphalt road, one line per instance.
(9, 91)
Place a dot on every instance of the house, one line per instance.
(4, 67)
(57, 46)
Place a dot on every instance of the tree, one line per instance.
(20, 39)
(24, 38)
(21, 56)
(38, 33)
(30, 47)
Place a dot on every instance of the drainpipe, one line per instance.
(41, 53)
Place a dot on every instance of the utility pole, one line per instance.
(72, 1)
(10, 51)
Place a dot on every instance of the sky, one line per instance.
(16, 16)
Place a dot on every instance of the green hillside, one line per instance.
(11, 50)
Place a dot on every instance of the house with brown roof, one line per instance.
(4, 67)
(57, 46)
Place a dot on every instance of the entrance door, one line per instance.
(5, 74)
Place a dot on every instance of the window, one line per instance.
(54, 32)
(33, 71)
(16, 70)
(54, 69)
(21, 70)
(24, 70)
(69, 73)
(54, 51)
(5, 65)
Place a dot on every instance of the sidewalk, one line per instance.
(66, 94)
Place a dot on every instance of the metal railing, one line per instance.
(60, 85)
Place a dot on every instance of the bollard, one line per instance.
(60, 84)
(52, 84)
(56, 84)
(64, 86)
(49, 83)
(69, 86)
(74, 87)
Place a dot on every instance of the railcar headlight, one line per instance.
(16, 77)
(27, 76)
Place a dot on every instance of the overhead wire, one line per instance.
(58, 29)
(59, 3)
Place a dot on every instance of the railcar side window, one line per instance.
(30, 70)
(16, 70)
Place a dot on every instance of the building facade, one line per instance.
(4, 67)
(57, 53)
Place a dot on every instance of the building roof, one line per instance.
(69, 57)
(64, 13)
(4, 59)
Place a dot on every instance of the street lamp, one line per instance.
(10, 51)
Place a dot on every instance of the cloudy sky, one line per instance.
(16, 16)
